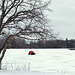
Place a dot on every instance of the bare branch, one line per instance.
(23, 18)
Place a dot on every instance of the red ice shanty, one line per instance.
(31, 53)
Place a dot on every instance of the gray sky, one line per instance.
(63, 18)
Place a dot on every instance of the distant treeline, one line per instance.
(21, 43)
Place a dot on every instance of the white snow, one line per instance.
(32, 73)
(45, 62)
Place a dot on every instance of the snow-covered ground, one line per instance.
(32, 73)
(45, 62)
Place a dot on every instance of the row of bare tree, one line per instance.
(22, 43)
(56, 44)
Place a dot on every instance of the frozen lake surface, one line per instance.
(45, 60)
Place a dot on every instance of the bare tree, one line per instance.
(22, 18)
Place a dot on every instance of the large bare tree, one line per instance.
(22, 18)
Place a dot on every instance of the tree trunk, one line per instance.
(2, 55)
(0, 64)
(3, 49)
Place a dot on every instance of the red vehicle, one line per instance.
(31, 53)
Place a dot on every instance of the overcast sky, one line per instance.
(63, 18)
